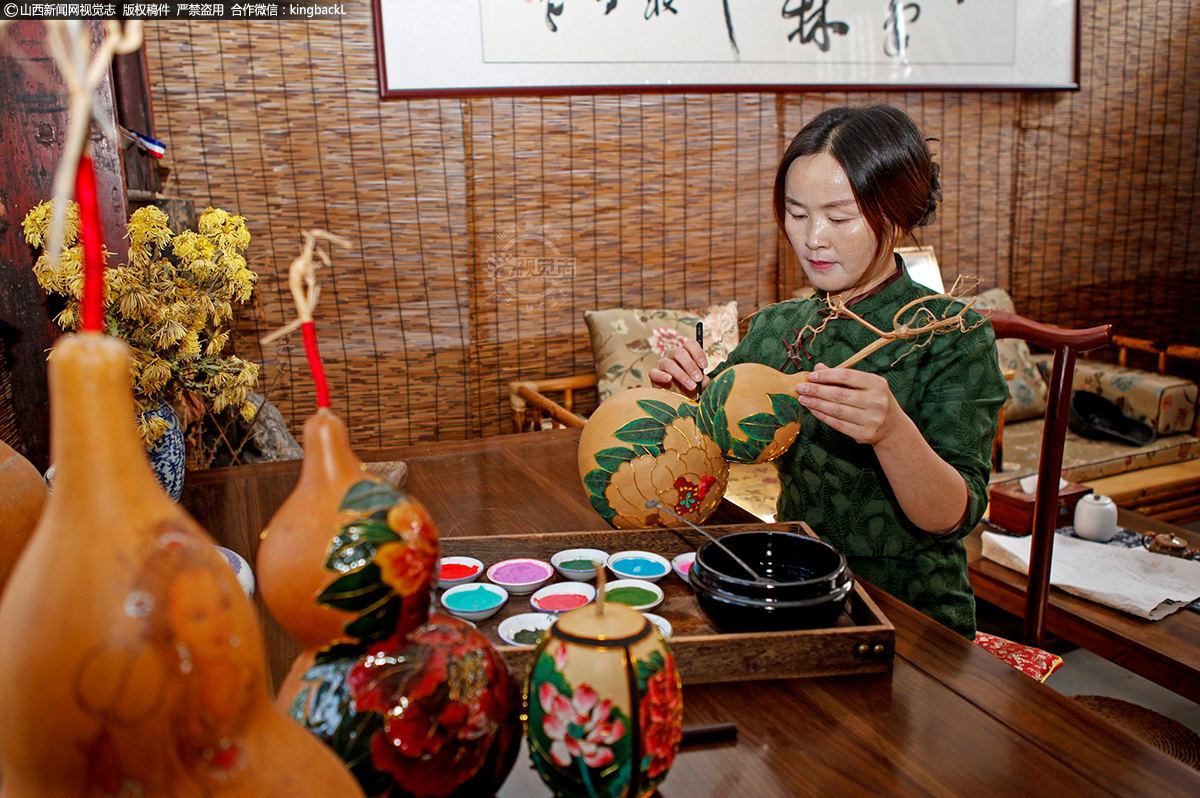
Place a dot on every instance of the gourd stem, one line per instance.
(309, 330)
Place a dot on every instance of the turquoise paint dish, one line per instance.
(474, 601)
(643, 565)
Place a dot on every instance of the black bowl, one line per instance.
(811, 582)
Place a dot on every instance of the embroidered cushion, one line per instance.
(1026, 390)
(628, 342)
(1166, 403)
(1033, 662)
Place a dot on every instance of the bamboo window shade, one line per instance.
(1081, 204)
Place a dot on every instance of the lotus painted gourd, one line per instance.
(649, 443)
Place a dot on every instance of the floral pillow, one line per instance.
(628, 342)
(1026, 390)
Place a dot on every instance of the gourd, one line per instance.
(651, 444)
(22, 495)
(131, 662)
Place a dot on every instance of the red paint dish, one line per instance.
(562, 597)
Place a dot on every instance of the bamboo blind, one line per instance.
(1082, 204)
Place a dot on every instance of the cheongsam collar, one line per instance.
(888, 286)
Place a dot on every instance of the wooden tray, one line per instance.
(862, 641)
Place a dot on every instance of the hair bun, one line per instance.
(935, 196)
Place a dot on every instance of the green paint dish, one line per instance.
(528, 637)
(631, 596)
(578, 565)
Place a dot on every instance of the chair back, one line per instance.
(1065, 344)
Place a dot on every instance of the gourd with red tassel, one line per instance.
(131, 662)
(416, 704)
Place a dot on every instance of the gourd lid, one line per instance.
(602, 621)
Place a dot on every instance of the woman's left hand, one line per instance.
(853, 402)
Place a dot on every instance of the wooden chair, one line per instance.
(529, 401)
(1066, 345)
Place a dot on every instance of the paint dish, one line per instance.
(664, 626)
(458, 571)
(525, 629)
(682, 563)
(562, 597)
(643, 565)
(521, 575)
(637, 594)
(578, 564)
(474, 601)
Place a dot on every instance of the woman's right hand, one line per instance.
(683, 371)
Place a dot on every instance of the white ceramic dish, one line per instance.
(474, 601)
(469, 562)
(644, 565)
(640, 584)
(536, 622)
(520, 575)
(578, 574)
(664, 626)
(574, 594)
(682, 563)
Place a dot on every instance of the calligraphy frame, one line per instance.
(435, 48)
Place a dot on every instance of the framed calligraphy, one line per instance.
(468, 47)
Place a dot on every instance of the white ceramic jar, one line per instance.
(1096, 518)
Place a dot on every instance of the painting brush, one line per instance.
(655, 503)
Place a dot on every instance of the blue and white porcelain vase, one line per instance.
(167, 455)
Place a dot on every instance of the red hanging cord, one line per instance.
(309, 329)
(91, 303)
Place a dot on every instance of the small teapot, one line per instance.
(1169, 544)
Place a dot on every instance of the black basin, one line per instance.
(811, 579)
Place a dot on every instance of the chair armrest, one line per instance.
(530, 393)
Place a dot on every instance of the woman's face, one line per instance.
(828, 231)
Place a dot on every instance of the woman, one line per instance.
(892, 465)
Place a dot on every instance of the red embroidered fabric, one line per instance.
(1033, 662)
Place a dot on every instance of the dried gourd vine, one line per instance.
(923, 322)
(302, 280)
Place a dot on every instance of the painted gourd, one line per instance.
(346, 559)
(133, 663)
(415, 705)
(604, 705)
(648, 443)
(22, 495)
(435, 712)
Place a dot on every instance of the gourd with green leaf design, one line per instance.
(649, 443)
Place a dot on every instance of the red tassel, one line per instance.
(92, 302)
(314, 363)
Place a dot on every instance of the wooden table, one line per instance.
(1166, 651)
(949, 720)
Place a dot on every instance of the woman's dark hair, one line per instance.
(887, 160)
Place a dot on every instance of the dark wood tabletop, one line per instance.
(1166, 651)
(950, 719)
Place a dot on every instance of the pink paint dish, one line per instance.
(521, 575)
(682, 563)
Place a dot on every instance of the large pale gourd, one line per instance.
(651, 444)
(22, 495)
(131, 662)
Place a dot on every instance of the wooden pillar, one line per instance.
(33, 127)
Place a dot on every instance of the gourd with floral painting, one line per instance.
(651, 444)
(415, 704)
(604, 704)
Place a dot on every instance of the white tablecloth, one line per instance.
(1133, 580)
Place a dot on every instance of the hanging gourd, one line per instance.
(416, 704)
(131, 662)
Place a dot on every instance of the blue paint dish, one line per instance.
(474, 601)
(639, 565)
